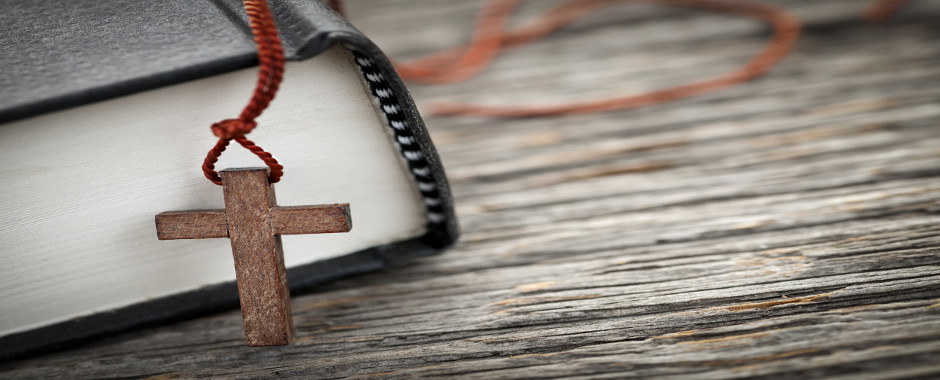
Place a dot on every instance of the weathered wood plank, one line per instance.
(784, 228)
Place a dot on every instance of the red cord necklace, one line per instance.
(270, 73)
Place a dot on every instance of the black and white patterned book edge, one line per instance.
(408, 145)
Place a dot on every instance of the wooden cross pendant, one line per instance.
(253, 222)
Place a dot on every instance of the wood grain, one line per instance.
(785, 228)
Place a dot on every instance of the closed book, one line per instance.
(105, 108)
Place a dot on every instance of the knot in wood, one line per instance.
(232, 128)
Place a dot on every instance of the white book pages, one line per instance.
(79, 188)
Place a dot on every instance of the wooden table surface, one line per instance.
(788, 227)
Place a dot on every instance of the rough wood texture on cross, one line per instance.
(253, 222)
(787, 228)
(203, 224)
(300, 220)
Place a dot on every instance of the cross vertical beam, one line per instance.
(259, 258)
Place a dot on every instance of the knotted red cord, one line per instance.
(270, 73)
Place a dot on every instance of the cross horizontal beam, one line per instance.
(290, 220)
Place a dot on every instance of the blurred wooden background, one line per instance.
(788, 227)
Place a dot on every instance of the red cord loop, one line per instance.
(270, 73)
(232, 128)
